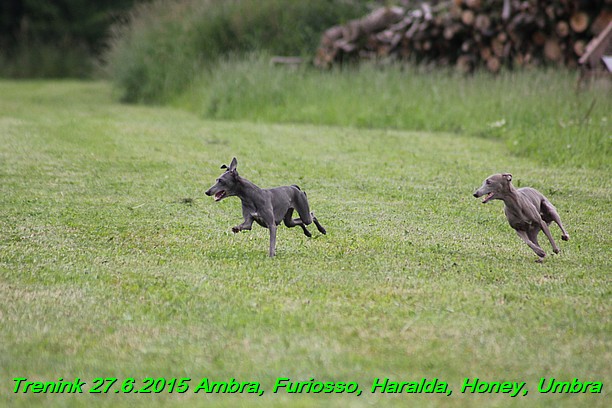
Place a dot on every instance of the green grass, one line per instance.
(213, 58)
(114, 264)
(538, 114)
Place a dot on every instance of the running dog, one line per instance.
(268, 207)
(527, 210)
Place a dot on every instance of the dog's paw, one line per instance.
(540, 260)
(236, 229)
(565, 237)
(556, 251)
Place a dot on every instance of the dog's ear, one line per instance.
(507, 176)
(233, 164)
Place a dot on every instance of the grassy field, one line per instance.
(538, 114)
(113, 263)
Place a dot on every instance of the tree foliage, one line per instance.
(35, 32)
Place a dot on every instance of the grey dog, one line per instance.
(268, 207)
(527, 210)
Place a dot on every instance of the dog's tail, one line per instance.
(302, 205)
(298, 187)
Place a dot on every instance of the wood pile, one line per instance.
(471, 33)
(596, 62)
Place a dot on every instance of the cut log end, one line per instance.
(579, 21)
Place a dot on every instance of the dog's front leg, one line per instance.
(246, 225)
(272, 229)
(539, 251)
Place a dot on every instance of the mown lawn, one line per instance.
(113, 263)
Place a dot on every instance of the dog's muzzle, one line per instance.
(220, 195)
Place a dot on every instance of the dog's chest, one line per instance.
(258, 211)
(257, 217)
(522, 225)
(518, 219)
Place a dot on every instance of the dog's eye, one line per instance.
(488, 181)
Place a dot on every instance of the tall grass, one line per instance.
(166, 43)
(537, 113)
(212, 58)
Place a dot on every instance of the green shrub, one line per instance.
(55, 39)
(166, 43)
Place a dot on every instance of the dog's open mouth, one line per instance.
(488, 197)
(220, 195)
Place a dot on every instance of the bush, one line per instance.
(165, 44)
(54, 39)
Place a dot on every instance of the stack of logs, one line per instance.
(471, 33)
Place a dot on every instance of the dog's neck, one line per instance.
(247, 190)
(509, 196)
(514, 202)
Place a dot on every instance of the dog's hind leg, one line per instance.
(551, 214)
(319, 226)
(549, 235)
(307, 217)
(291, 222)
